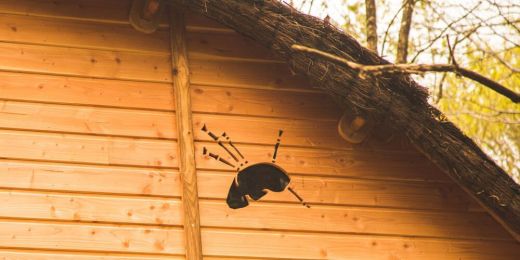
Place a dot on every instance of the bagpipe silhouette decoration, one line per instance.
(253, 180)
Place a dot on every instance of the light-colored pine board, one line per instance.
(86, 91)
(335, 191)
(87, 149)
(156, 211)
(211, 46)
(185, 148)
(305, 133)
(20, 254)
(246, 75)
(152, 124)
(88, 178)
(87, 120)
(81, 34)
(90, 208)
(318, 246)
(258, 102)
(84, 62)
(101, 179)
(297, 132)
(112, 11)
(112, 238)
(352, 220)
(343, 163)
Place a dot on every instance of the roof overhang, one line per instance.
(399, 98)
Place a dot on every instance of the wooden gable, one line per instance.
(89, 166)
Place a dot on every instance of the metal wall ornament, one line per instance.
(254, 180)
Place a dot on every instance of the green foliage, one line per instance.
(490, 119)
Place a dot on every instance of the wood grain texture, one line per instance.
(186, 149)
(86, 91)
(315, 133)
(80, 34)
(246, 75)
(90, 208)
(337, 191)
(84, 62)
(322, 162)
(87, 149)
(24, 254)
(108, 11)
(111, 238)
(271, 216)
(328, 246)
(89, 178)
(205, 46)
(399, 99)
(97, 190)
(87, 120)
(161, 182)
(259, 102)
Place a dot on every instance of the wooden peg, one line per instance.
(145, 15)
(354, 128)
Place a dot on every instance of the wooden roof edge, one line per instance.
(399, 99)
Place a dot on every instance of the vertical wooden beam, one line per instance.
(186, 148)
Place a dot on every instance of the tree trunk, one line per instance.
(404, 31)
(371, 24)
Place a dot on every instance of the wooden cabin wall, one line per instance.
(88, 164)
(381, 200)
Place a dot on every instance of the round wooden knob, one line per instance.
(354, 128)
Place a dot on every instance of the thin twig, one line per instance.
(415, 69)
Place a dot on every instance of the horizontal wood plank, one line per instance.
(90, 208)
(335, 191)
(348, 220)
(87, 120)
(348, 163)
(81, 34)
(158, 124)
(20, 254)
(112, 11)
(286, 104)
(317, 246)
(246, 75)
(86, 91)
(206, 46)
(87, 149)
(155, 182)
(45, 235)
(297, 132)
(88, 178)
(84, 62)
(156, 211)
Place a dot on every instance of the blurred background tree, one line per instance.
(486, 36)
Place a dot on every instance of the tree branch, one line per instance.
(415, 69)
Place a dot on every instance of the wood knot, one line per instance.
(175, 71)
